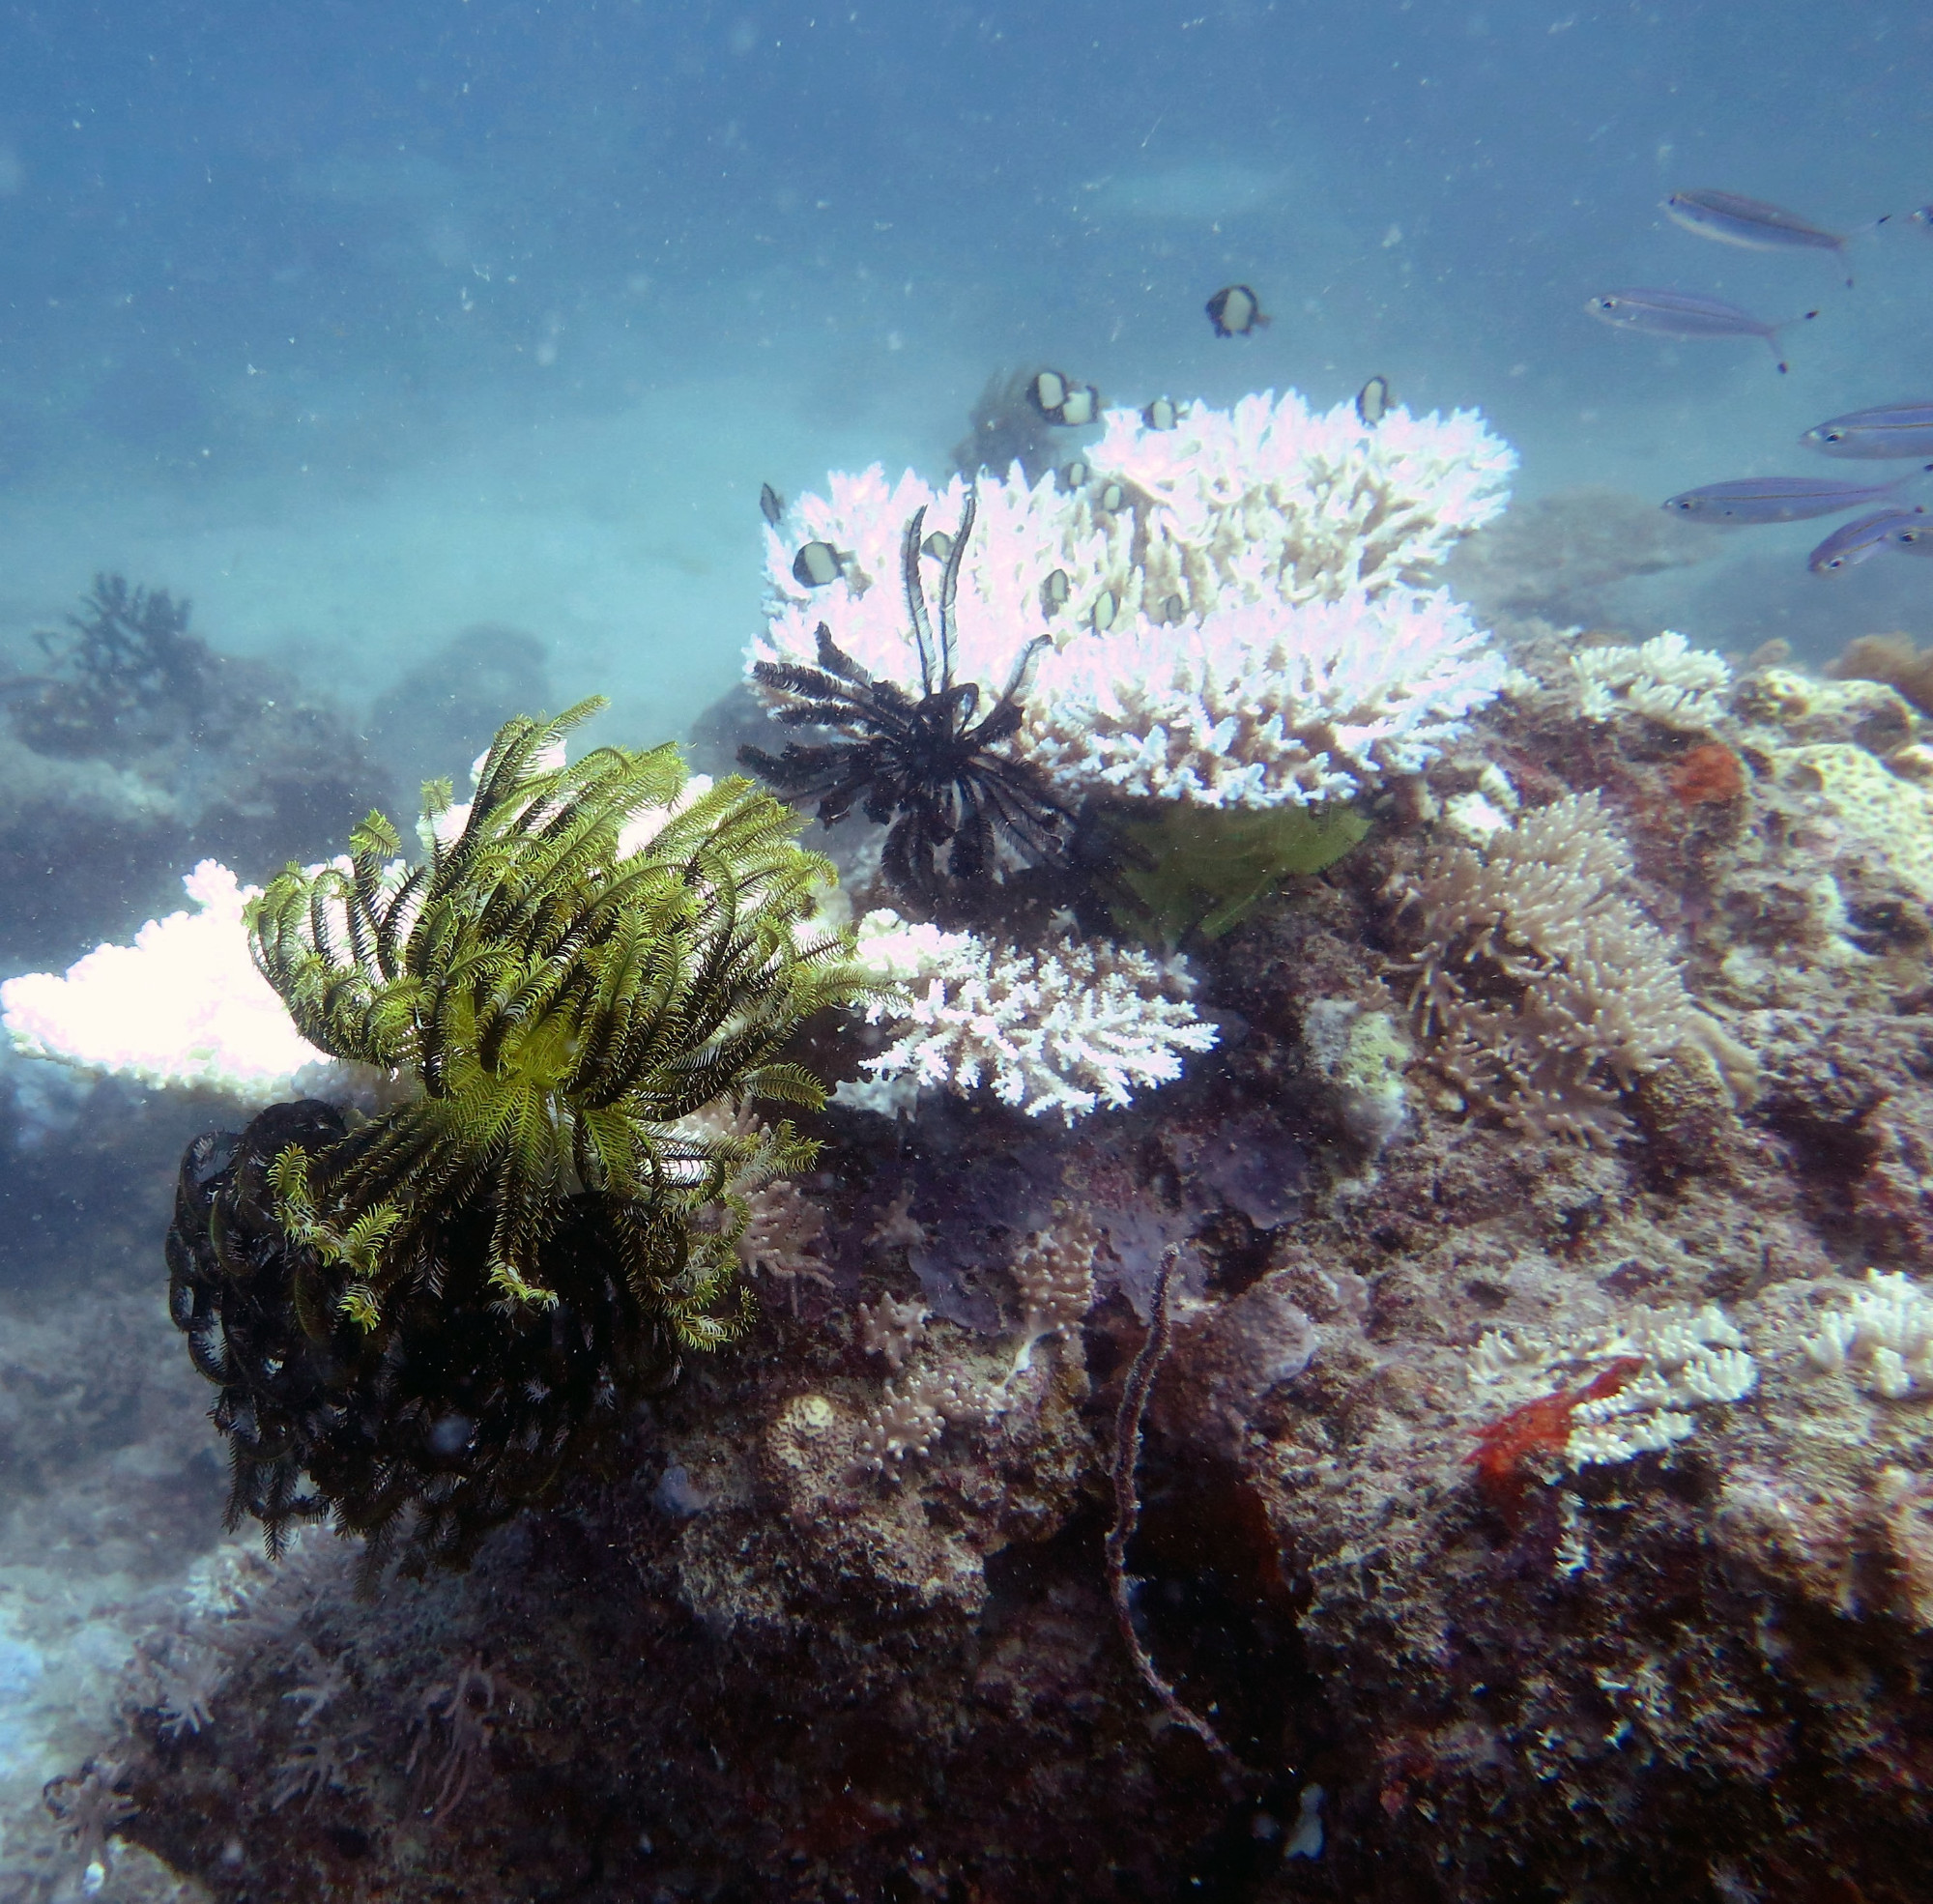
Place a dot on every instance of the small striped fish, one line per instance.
(1679, 314)
(1781, 499)
(1751, 223)
(1860, 539)
(1889, 429)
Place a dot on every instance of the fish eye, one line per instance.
(1832, 436)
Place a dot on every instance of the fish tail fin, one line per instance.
(1262, 318)
(1771, 332)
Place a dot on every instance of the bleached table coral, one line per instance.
(1063, 1030)
(1236, 606)
(184, 1005)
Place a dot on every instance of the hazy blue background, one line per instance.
(359, 323)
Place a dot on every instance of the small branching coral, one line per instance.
(1064, 1028)
(434, 1309)
(1648, 1372)
(122, 668)
(946, 784)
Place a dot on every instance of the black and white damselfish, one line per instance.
(1235, 311)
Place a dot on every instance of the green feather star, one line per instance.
(584, 960)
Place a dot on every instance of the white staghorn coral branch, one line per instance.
(1064, 1029)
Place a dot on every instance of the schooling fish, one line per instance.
(1752, 224)
(1679, 314)
(771, 504)
(1781, 499)
(1160, 415)
(1859, 540)
(1889, 429)
(1236, 310)
(1372, 401)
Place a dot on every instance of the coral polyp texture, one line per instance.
(1548, 990)
(1261, 704)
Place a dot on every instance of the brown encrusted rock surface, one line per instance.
(845, 1631)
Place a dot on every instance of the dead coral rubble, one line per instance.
(1548, 1509)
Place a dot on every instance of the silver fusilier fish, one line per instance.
(1888, 429)
(1781, 499)
(1859, 540)
(1681, 314)
(1752, 224)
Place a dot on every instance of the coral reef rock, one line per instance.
(1532, 1501)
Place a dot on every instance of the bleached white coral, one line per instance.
(183, 1005)
(1022, 535)
(1064, 1028)
(1549, 990)
(1885, 1338)
(1261, 704)
(1235, 602)
(1652, 1370)
(1270, 499)
(1665, 678)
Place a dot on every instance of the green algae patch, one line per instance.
(1191, 869)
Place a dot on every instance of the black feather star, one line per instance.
(943, 780)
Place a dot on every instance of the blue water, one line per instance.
(361, 324)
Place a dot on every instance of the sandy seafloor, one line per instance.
(606, 502)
